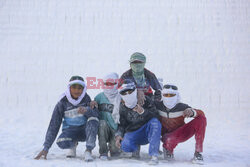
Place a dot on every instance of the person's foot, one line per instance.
(153, 161)
(125, 154)
(115, 155)
(88, 156)
(72, 152)
(168, 155)
(136, 154)
(198, 158)
(104, 157)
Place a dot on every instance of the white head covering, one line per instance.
(113, 95)
(111, 92)
(170, 102)
(129, 99)
(75, 102)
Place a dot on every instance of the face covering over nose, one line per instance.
(170, 102)
(137, 67)
(138, 74)
(130, 99)
(113, 95)
(111, 92)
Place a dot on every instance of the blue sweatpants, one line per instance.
(73, 134)
(148, 133)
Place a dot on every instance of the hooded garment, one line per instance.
(75, 102)
(113, 95)
(170, 102)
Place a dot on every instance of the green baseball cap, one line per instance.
(137, 57)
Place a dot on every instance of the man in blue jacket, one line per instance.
(80, 122)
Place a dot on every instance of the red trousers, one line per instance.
(195, 127)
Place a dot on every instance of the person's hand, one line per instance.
(93, 104)
(188, 112)
(157, 96)
(118, 141)
(42, 153)
(82, 110)
(138, 109)
(141, 97)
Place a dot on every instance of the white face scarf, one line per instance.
(170, 102)
(113, 96)
(111, 93)
(130, 99)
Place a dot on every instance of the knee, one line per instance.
(169, 140)
(126, 142)
(202, 120)
(127, 145)
(65, 143)
(93, 122)
(102, 132)
(155, 123)
(102, 124)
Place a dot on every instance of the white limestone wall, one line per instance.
(202, 46)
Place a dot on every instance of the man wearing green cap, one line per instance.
(144, 79)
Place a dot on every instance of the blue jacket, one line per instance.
(67, 113)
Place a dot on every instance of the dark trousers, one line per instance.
(106, 136)
(74, 134)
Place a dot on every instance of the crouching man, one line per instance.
(108, 105)
(138, 124)
(79, 121)
(174, 130)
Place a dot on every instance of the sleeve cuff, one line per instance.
(118, 134)
(141, 112)
(195, 113)
(46, 149)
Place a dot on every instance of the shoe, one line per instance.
(104, 157)
(153, 161)
(88, 156)
(136, 154)
(125, 154)
(72, 152)
(115, 154)
(168, 155)
(198, 158)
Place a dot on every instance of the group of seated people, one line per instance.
(135, 111)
